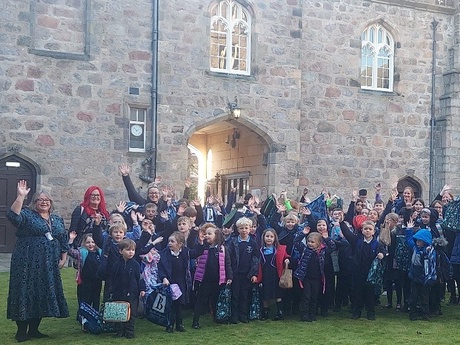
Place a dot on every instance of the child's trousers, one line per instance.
(418, 301)
(127, 328)
(241, 287)
(363, 296)
(309, 300)
(207, 295)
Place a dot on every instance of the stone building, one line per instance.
(338, 94)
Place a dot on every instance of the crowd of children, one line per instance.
(337, 258)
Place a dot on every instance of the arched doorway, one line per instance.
(12, 169)
(235, 156)
(410, 182)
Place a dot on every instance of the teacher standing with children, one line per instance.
(35, 289)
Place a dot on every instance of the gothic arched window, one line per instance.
(230, 38)
(377, 59)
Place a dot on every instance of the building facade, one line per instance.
(336, 94)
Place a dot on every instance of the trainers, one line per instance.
(305, 318)
(196, 325)
(371, 316)
(355, 316)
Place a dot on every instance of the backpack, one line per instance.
(91, 320)
(268, 208)
(430, 267)
(375, 274)
(451, 216)
(402, 254)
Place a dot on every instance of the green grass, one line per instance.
(391, 327)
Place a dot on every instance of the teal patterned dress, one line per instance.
(35, 289)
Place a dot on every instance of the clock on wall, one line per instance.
(137, 130)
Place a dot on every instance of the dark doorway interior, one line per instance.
(12, 169)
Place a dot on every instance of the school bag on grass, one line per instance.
(158, 305)
(116, 311)
(92, 322)
(223, 306)
(254, 309)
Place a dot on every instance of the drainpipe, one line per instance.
(150, 163)
(434, 25)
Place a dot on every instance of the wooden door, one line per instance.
(12, 169)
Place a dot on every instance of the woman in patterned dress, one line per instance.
(35, 289)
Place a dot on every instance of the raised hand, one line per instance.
(140, 216)
(22, 188)
(306, 211)
(124, 169)
(72, 236)
(354, 195)
(121, 206)
(133, 216)
(281, 208)
(164, 215)
(188, 182)
(158, 240)
(97, 218)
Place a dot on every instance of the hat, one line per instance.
(424, 235)
(362, 192)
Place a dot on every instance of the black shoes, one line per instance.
(37, 335)
(180, 328)
(279, 316)
(21, 337)
(170, 329)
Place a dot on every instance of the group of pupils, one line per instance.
(250, 251)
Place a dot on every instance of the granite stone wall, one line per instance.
(67, 65)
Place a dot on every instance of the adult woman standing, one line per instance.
(91, 212)
(35, 289)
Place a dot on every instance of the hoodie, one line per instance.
(423, 263)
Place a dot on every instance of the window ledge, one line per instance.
(230, 75)
(378, 92)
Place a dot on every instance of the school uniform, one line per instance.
(244, 258)
(127, 275)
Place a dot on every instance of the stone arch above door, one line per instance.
(409, 181)
(241, 152)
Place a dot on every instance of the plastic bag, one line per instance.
(286, 278)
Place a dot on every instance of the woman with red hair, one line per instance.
(91, 212)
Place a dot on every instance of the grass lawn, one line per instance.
(391, 327)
